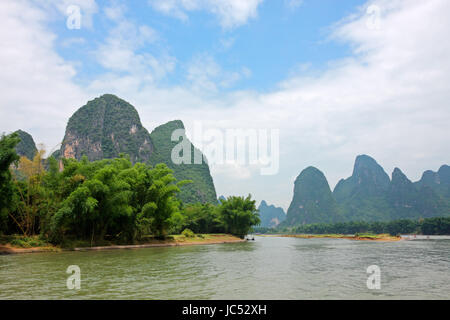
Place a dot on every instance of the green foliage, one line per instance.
(115, 198)
(238, 215)
(202, 218)
(106, 127)
(429, 226)
(8, 196)
(188, 233)
(26, 242)
(202, 187)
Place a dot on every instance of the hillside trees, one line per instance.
(8, 156)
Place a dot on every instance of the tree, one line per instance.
(202, 218)
(99, 200)
(8, 156)
(238, 215)
(157, 201)
(113, 198)
(32, 197)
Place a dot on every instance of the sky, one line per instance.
(336, 78)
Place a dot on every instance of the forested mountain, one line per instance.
(108, 126)
(439, 181)
(104, 128)
(202, 187)
(26, 147)
(369, 195)
(363, 195)
(312, 200)
(270, 215)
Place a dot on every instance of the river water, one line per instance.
(268, 268)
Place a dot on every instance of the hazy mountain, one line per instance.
(363, 196)
(403, 195)
(26, 147)
(104, 128)
(202, 189)
(369, 195)
(270, 215)
(220, 199)
(437, 181)
(312, 200)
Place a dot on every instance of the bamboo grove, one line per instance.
(105, 199)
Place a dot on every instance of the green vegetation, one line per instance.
(24, 241)
(188, 233)
(428, 226)
(312, 200)
(26, 147)
(238, 214)
(108, 126)
(104, 128)
(202, 187)
(8, 195)
(104, 201)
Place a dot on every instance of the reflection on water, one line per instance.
(268, 268)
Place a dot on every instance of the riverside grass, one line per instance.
(20, 244)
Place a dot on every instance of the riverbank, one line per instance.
(172, 241)
(358, 237)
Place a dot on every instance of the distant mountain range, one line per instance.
(108, 126)
(270, 215)
(368, 195)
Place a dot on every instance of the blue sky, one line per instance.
(281, 38)
(335, 79)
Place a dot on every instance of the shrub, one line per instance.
(188, 233)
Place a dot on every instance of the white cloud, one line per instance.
(205, 75)
(58, 9)
(231, 13)
(293, 4)
(37, 92)
(123, 51)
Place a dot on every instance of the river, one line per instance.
(268, 268)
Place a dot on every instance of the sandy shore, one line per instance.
(209, 239)
(382, 237)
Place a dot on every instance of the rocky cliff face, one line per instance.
(202, 187)
(270, 215)
(312, 201)
(104, 128)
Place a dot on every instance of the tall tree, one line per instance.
(8, 156)
(238, 215)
